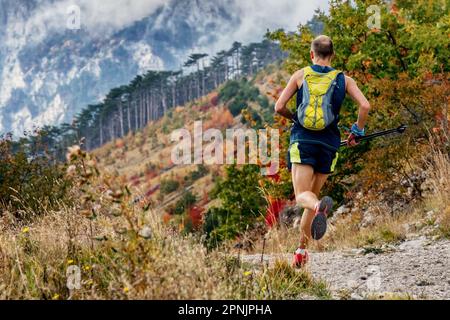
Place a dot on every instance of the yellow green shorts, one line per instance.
(321, 158)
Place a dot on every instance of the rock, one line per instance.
(407, 227)
(355, 296)
(145, 232)
(342, 210)
(368, 220)
(290, 215)
(338, 213)
(418, 225)
(413, 244)
(357, 251)
(430, 215)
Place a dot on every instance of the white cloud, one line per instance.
(11, 78)
(144, 57)
(96, 17)
(259, 15)
(101, 18)
(115, 14)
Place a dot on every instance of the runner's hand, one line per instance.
(354, 133)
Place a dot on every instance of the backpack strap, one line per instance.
(307, 71)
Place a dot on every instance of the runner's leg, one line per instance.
(302, 178)
(318, 182)
(308, 215)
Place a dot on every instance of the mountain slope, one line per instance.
(49, 72)
(143, 159)
(45, 78)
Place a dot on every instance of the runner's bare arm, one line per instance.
(364, 106)
(287, 94)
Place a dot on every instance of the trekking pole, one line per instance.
(400, 130)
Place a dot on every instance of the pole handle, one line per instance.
(401, 129)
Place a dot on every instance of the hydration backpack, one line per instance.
(315, 112)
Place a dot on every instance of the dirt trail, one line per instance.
(418, 268)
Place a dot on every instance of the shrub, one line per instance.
(187, 201)
(30, 184)
(237, 94)
(193, 176)
(169, 186)
(241, 204)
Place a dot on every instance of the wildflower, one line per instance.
(70, 261)
(55, 296)
(247, 273)
(25, 229)
(71, 170)
(265, 292)
(73, 152)
(90, 282)
(74, 149)
(126, 289)
(87, 268)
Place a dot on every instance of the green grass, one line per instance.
(282, 281)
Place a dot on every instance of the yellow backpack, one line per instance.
(315, 112)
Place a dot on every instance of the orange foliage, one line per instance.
(166, 217)
(394, 9)
(221, 118)
(196, 216)
(120, 143)
(214, 99)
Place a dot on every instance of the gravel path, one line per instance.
(418, 268)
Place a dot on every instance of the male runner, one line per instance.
(315, 136)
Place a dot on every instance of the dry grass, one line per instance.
(124, 252)
(440, 182)
(118, 264)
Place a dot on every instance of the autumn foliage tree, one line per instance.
(402, 67)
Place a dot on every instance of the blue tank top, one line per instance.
(329, 137)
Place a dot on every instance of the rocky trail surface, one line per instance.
(417, 268)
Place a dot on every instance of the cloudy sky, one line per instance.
(101, 17)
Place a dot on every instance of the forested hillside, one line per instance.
(148, 97)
